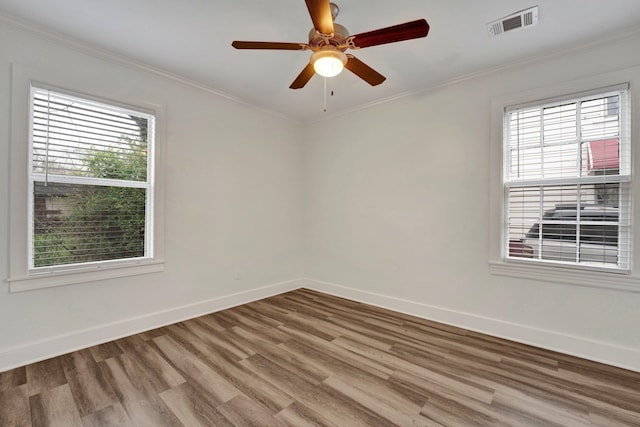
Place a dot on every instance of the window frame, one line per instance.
(147, 184)
(558, 274)
(623, 178)
(22, 275)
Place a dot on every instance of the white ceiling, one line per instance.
(192, 38)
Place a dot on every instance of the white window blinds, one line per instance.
(567, 179)
(91, 176)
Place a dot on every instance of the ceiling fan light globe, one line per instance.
(329, 62)
(328, 67)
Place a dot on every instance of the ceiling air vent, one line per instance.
(523, 19)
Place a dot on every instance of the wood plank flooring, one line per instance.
(308, 359)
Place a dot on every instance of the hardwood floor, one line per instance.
(304, 358)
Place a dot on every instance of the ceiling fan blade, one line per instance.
(269, 45)
(320, 12)
(363, 71)
(303, 77)
(396, 33)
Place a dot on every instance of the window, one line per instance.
(566, 181)
(86, 184)
(91, 181)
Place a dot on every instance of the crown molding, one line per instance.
(576, 48)
(105, 54)
(123, 60)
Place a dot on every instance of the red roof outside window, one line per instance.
(603, 155)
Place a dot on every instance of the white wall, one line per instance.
(233, 204)
(398, 212)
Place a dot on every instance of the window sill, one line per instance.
(578, 277)
(70, 277)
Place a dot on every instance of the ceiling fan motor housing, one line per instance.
(339, 39)
(329, 51)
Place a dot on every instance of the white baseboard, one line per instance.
(62, 344)
(623, 357)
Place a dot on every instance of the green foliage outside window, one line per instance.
(100, 222)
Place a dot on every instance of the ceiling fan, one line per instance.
(329, 41)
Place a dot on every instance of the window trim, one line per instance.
(559, 274)
(23, 278)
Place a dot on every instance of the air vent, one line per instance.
(523, 19)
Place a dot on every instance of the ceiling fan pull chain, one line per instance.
(325, 95)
